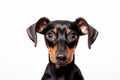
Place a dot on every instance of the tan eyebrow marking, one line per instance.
(55, 30)
(68, 31)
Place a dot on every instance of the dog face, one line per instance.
(61, 37)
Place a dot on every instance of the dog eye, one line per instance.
(72, 36)
(50, 36)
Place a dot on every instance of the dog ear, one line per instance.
(85, 29)
(39, 26)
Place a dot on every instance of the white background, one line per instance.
(20, 60)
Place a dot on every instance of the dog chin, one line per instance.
(61, 63)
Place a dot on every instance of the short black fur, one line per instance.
(60, 69)
(69, 72)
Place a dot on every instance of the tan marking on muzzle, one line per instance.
(52, 52)
(70, 53)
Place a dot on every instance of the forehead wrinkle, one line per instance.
(60, 26)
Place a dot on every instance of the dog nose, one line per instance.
(61, 57)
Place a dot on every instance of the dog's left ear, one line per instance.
(85, 29)
(37, 27)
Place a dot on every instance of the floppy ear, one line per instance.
(39, 26)
(85, 29)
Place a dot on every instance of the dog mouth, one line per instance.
(61, 60)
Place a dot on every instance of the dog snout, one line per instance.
(61, 58)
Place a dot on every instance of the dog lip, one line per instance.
(61, 62)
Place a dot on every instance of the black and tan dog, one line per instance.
(61, 38)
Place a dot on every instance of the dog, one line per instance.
(61, 37)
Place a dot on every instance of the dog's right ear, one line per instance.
(39, 26)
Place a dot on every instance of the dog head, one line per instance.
(61, 37)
